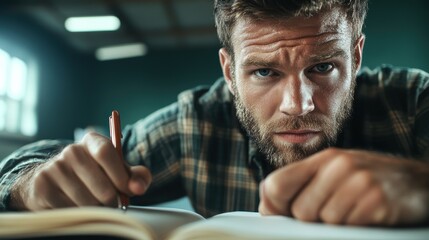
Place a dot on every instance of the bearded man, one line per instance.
(295, 127)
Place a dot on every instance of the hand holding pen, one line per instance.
(87, 173)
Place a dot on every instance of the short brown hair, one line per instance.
(228, 11)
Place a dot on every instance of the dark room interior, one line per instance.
(75, 90)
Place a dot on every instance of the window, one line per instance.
(17, 96)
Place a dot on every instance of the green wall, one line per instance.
(75, 90)
(137, 87)
(397, 33)
(62, 73)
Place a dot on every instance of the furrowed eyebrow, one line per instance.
(323, 57)
(259, 62)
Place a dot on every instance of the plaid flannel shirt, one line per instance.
(197, 148)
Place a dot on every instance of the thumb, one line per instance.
(281, 187)
(140, 180)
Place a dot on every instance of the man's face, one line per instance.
(292, 82)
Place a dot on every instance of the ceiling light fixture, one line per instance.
(121, 51)
(92, 24)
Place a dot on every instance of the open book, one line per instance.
(175, 224)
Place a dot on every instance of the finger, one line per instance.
(61, 201)
(70, 184)
(283, 185)
(45, 194)
(308, 204)
(140, 180)
(344, 199)
(265, 206)
(91, 175)
(103, 152)
(370, 210)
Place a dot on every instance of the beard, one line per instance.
(283, 153)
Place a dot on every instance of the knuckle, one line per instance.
(69, 154)
(60, 165)
(300, 211)
(332, 151)
(348, 162)
(101, 151)
(274, 199)
(41, 177)
(345, 162)
(107, 196)
(273, 189)
(330, 216)
(341, 163)
(71, 149)
(90, 136)
(377, 195)
(363, 179)
(56, 167)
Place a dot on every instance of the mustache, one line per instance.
(311, 121)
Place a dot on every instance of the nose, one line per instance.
(297, 96)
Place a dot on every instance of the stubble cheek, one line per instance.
(261, 102)
(344, 91)
(329, 98)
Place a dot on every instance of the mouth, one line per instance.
(297, 136)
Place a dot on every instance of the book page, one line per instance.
(247, 225)
(72, 221)
(135, 223)
(163, 220)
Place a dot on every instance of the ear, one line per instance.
(225, 63)
(358, 52)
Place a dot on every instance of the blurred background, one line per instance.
(56, 79)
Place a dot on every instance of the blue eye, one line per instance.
(264, 72)
(323, 67)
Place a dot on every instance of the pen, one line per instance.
(116, 135)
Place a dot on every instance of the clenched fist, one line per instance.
(349, 187)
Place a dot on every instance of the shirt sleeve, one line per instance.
(154, 142)
(22, 159)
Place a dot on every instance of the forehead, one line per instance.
(321, 29)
